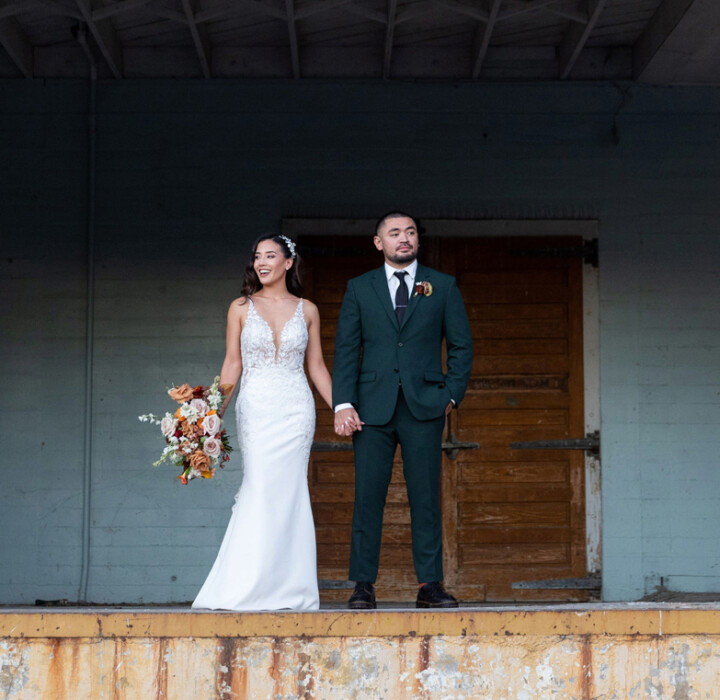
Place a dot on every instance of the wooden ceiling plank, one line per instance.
(572, 15)
(516, 9)
(389, 37)
(239, 7)
(292, 32)
(662, 24)
(461, 8)
(410, 12)
(482, 40)
(576, 37)
(199, 36)
(14, 41)
(117, 9)
(105, 36)
(310, 10)
(366, 13)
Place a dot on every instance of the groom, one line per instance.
(389, 388)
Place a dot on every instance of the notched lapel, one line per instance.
(380, 285)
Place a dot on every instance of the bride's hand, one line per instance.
(347, 422)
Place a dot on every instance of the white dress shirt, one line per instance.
(393, 284)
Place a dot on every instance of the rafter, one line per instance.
(662, 24)
(482, 40)
(105, 36)
(576, 37)
(14, 41)
(389, 37)
(199, 36)
(292, 32)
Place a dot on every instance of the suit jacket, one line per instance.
(374, 355)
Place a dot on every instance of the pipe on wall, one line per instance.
(81, 36)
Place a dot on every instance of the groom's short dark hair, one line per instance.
(393, 215)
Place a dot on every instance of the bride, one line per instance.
(267, 558)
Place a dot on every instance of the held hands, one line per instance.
(347, 422)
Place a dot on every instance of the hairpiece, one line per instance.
(290, 245)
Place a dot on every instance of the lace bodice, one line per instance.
(258, 344)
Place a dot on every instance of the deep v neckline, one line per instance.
(269, 327)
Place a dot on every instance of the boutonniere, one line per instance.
(423, 289)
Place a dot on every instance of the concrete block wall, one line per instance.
(188, 172)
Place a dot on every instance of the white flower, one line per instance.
(189, 413)
(168, 425)
(212, 447)
(211, 424)
(200, 406)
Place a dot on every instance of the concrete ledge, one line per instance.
(573, 652)
(639, 619)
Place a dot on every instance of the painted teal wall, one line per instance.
(188, 172)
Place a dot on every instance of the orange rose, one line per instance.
(200, 461)
(188, 430)
(181, 394)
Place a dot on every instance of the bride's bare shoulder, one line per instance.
(238, 307)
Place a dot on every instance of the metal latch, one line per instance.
(451, 447)
(590, 443)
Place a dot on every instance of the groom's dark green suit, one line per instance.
(393, 375)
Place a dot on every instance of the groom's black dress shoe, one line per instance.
(434, 595)
(363, 597)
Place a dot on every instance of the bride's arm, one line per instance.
(232, 366)
(317, 370)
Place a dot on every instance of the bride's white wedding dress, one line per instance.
(267, 560)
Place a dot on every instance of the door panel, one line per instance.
(508, 515)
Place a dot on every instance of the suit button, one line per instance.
(400, 345)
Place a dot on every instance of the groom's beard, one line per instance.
(403, 258)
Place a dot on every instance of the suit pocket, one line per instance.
(435, 377)
(366, 377)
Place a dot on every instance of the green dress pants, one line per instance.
(374, 449)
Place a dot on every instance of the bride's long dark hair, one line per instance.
(251, 282)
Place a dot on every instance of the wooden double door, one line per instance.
(508, 514)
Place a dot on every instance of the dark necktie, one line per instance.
(401, 297)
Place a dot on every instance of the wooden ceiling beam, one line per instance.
(572, 15)
(482, 38)
(105, 36)
(576, 37)
(14, 41)
(292, 33)
(199, 36)
(389, 37)
(662, 24)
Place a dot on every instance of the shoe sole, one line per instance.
(362, 606)
(420, 604)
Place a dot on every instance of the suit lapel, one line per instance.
(421, 275)
(380, 285)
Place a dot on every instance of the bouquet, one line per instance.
(196, 440)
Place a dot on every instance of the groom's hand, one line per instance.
(347, 421)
